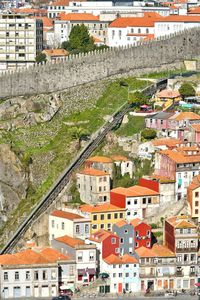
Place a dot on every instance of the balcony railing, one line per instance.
(149, 275)
(186, 250)
(179, 273)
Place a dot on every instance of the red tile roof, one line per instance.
(185, 115)
(47, 22)
(31, 257)
(180, 157)
(135, 222)
(181, 222)
(101, 159)
(195, 183)
(68, 240)
(66, 215)
(180, 18)
(169, 142)
(116, 260)
(93, 172)
(196, 127)
(100, 208)
(168, 94)
(60, 3)
(145, 252)
(55, 52)
(119, 158)
(101, 235)
(194, 11)
(77, 17)
(121, 223)
(135, 191)
(147, 20)
(162, 251)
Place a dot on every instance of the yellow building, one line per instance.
(103, 216)
(166, 98)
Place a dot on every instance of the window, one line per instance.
(71, 270)
(94, 226)
(127, 274)
(109, 226)
(63, 225)
(44, 275)
(135, 201)
(16, 275)
(144, 200)
(196, 203)
(128, 213)
(139, 30)
(121, 240)
(196, 194)
(129, 202)
(21, 55)
(126, 231)
(7, 33)
(149, 200)
(120, 34)
(136, 233)
(87, 228)
(121, 215)
(116, 215)
(5, 276)
(102, 226)
(148, 233)
(91, 256)
(136, 244)
(100, 189)
(114, 275)
(196, 211)
(147, 31)
(80, 256)
(94, 217)
(130, 240)
(77, 229)
(28, 275)
(109, 216)
(120, 274)
(53, 274)
(113, 241)
(105, 179)
(36, 275)
(102, 217)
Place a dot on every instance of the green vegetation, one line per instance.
(187, 90)
(49, 147)
(138, 98)
(40, 57)
(119, 180)
(164, 74)
(135, 125)
(148, 134)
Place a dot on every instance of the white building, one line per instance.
(21, 38)
(130, 30)
(123, 273)
(30, 273)
(106, 9)
(173, 24)
(67, 223)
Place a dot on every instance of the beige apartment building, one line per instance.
(193, 197)
(93, 185)
(21, 38)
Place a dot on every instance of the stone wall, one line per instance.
(154, 55)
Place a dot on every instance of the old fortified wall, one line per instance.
(151, 56)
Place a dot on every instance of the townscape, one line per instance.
(123, 219)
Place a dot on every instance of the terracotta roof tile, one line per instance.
(121, 223)
(181, 222)
(78, 17)
(168, 94)
(180, 18)
(162, 251)
(101, 235)
(195, 183)
(180, 157)
(70, 241)
(169, 142)
(100, 208)
(185, 115)
(147, 20)
(93, 172)
(119, 158)
(145, 252)
(135, 222)
(55, 52)
(116, 260)
(101, 159)
(66, 215)
(135, 191)
(196, 127)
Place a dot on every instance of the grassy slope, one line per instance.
(53, 141)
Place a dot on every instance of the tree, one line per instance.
(148, 134)
(41, 57)
(187, 90)
(79, 40)
(77, 133)
(138, 98)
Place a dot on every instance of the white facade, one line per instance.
(140, 207)
(122, 276)
(127, 35)
(183, 180)
(86, 263)
(105, 8)
(21, 38)
(127, 167)
(29, 281)
(60, 226)
(163, 28)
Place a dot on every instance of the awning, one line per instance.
(91, 271)
(197, 284)
(81, 272)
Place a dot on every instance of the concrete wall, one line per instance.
(151, 56)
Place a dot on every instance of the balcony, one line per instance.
(179, 273)
(187, 250)
(149, 275)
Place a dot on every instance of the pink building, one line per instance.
(195, 133)
(159, 121)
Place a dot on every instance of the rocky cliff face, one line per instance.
(20, 112)
(13, 181)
